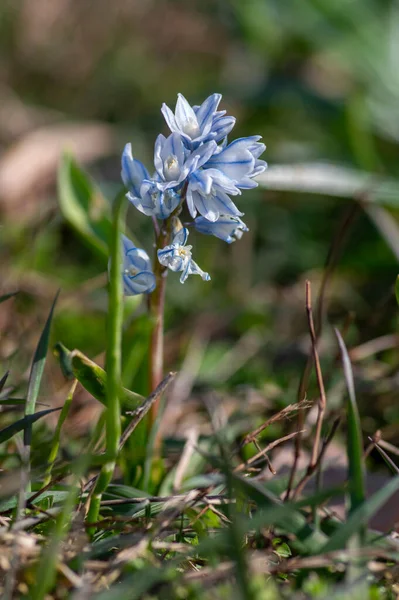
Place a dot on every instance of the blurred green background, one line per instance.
(318, 79)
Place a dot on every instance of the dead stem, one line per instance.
(332, 259)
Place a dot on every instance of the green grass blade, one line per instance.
(23, 424)
(359, 517)
(37, 369)
(46, 569)
(285, 516)
(12, 401)
(57, 434)
(357, 486)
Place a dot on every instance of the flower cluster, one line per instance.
(196, 166)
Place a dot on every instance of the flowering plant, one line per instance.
(197, 169)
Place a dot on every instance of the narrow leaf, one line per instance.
(397, 289)
(23, 424)
(357, 487)
(360, 516)
(37, 369)
(92, 377)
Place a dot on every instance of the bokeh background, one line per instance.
(318, 79)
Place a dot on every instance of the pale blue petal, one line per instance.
(181, 237)
(142, 283)
(221, 180)
(246, 183)
(184, 114)
(226, 228)
(234, 162)
(222, 127)
(158, 160)
(190, 201)
(169, 118)
(137, 258)
(200, 156)
(133, 171)
(194, 269)
(142, 204)
(206, 112)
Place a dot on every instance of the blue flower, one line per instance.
(207, 193)
(137, 274)
(177, 257)
(198, 124)
(240, 161)
(227, 228)
(145, 194)
(174, 162)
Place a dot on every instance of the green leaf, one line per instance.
(12, 401)
(360, 516)
(357, 486)
(55, 495)
(83, 206)
(37, 369)
(92, 377)
(23, 424)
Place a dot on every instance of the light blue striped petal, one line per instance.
(133, 171)
(185, 116)
(169, 118)
(234, 162)
(181, 237)
(158, 160)
(142, 203)
(142, 283)
(137, 258)
(206, 111)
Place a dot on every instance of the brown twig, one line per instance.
(286, 412)
(312, 468)
(142, 410)
(269, 447)
(322, 399)
(331, 261)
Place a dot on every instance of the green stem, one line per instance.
(113, 360)
(56, 441)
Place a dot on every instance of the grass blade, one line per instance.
(37, 369)
(357, 486)
(23, 424)
(57, 434)
(359, 517)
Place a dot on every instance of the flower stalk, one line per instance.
(113, 360)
